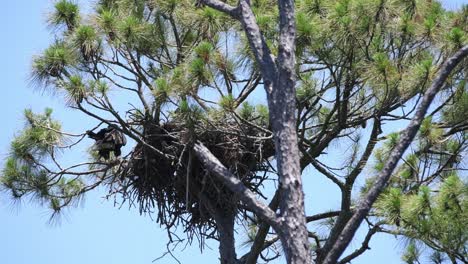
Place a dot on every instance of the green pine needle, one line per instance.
(66, 13)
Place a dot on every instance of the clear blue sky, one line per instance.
(97, 232)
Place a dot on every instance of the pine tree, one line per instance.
(207, 141)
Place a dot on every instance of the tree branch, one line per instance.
(223, 7)
(258, 45)
(211, 163)
(322, 216)
(364, 246)
(406, 138)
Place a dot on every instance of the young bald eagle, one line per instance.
(107, 140)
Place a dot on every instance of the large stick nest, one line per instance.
(180, 189)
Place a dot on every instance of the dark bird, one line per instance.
(108, 140)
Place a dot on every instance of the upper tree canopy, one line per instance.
(191, 77)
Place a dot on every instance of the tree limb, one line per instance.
(364, 246)
(223, 7)
(322, 216)
(406, 138)
(211, 163)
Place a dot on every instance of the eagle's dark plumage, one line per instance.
(107, 140)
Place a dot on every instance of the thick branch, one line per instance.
(406, 138)
(258, 45)
(220, 6)
(211, 163)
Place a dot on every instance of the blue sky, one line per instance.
(96, 232)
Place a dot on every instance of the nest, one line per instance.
(179, 189)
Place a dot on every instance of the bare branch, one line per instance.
(210, 162)
(223, 7)
(364, 245)
(322, 216)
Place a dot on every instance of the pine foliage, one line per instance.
(190, 76)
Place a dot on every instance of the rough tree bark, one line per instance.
(279, 81)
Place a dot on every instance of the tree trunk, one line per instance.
(227, 246)
(282, 105)
(279, 79)
(293, 231)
